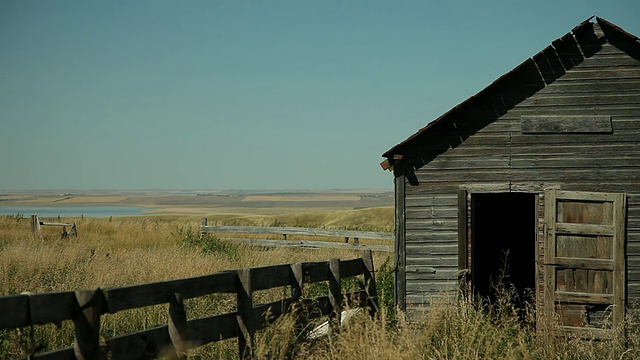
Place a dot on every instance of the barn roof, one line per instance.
(581, 33)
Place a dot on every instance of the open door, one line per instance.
(585, 261)
(511, 251)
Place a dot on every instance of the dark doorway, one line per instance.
(503, 233)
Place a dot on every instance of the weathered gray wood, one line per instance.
(619, 259)
(550, 220)
(400, 240)
(310, 244)
(584, 229)
(35, 223)
(581, 263)
(586, 333)
(435, 248)
(296, 231)
(135, 296)
(335, 294)
(87, 325)
(211, 329)
(370, 284)
(52, 307)
(203, 225)
(55, 223)
(177, 327)
(245, 314)
(296, 281)
(583, 282)
(269, 277)
(583, 298)
(353, 267)
(462, 231)
(433, 261)
(19, 314)
(87, 306)
(566, 124)
(149, 342)
(429, 224)
(480, 148)
(140, 345)
(265, 314)
(61, 354)
(419, 238)
(315, 271)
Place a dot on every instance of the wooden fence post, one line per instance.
(178, 327)
(35, 224)
(298, 309)
(335, 294)
(203, 222)
(370, 283)
(245, 314)
(296, 281)
(87, 324)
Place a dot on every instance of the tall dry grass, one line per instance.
(125, 251)
(113, 252)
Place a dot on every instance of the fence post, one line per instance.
(35, 224)
(370, 283)
(87, 324)
(245, 314)
(335, 294)
(298, 309)
(178, 326)
(203, 223)
(296, 281)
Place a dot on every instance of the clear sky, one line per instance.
(248, 95)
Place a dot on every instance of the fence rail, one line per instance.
(85, 308)
(36, 223)
(304, 232)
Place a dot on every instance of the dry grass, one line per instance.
(124, 251)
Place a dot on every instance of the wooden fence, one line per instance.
(85, 308)
(36, 223)
(286, 232)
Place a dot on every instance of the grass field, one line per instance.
(125, 251)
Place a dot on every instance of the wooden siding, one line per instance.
(482, 149)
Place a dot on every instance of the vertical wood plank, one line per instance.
(400, 239)
(297, 310)
(35, 225)
(619, 258)
(245, 314)
(203, 223)
(297, 279)
(370, 283)
(87, 324)
(550, 215)
(335, 294)
(178, 332)
(537, 254)
(462, 237)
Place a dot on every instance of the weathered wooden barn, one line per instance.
(541, 168)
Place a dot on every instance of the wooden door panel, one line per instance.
(584, 260)
(584, 246)
(584, 212)
(587, 281)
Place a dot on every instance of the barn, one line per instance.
(539, 171)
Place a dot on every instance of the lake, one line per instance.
(72, 210)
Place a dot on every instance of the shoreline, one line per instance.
(168, 203)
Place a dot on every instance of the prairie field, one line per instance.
(114, 252)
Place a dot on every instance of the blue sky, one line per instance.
(248, 95)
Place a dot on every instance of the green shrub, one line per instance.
(208, 244)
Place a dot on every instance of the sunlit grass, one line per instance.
(126, 251)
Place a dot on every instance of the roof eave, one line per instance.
(397, 149)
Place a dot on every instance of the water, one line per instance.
(72, 210)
